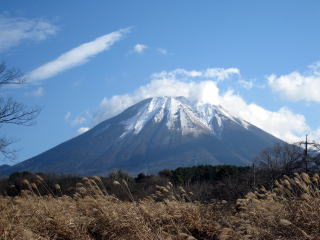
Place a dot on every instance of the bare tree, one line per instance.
(311, 154)
(11, 111)
(285, 159)
(282, 158)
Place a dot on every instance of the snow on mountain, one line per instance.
(180, 114)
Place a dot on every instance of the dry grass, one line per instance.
(93, 214)
(290, 211)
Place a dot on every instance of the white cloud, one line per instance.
(76, 121)
(36, 93)
(139, 48)
(162, 51)
(76, 56)
(82, 118)
(246, 84)
(314, 135)
(67, 116)
(15, 30)
(82, 130)
(282, 123)
(296, 86)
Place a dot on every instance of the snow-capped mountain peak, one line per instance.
(179, 114)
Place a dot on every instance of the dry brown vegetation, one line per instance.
(290, 211)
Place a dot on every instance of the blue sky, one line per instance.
(86, 62)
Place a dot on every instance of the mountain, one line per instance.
(154, 134)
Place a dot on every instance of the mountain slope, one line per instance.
(156, 133)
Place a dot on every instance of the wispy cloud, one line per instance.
(80, 121)
(76, 56)
(67, 116)
(36, 93)
(215, 73)
(298, 86)
(162, 51)
(246, 84)
(14, 30)
(282, 123)
(76, 121)
(139, 48)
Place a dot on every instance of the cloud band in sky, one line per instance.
(76, 56)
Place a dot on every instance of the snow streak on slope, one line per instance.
(181, 115)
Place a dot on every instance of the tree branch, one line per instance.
(10, 76)
(11, 111)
